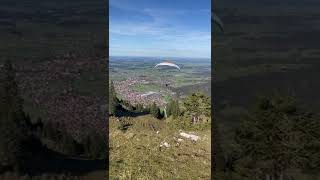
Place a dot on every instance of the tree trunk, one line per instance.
(281, 175)
(267, 177)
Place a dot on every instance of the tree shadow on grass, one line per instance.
(46, 161)
(122, 112)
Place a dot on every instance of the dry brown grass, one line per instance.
(135, 154)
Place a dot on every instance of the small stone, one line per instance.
(164, 144)
(190, 136)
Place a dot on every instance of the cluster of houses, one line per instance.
(125, 90)
(48, 86)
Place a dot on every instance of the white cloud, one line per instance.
(167, 36)
(134, 28)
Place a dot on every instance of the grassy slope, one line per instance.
(135, 154)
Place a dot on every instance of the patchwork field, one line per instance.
(194, 74)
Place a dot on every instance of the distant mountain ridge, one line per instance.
(137, 58)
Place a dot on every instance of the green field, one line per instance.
(193, 72)
(146, 87)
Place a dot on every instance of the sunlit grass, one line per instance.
(135, 154)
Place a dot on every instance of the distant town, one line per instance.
(125, 89)
(53, 87)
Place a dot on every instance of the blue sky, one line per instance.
(160, 28)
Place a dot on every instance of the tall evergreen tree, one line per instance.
(139, 108)
(11, 102)
(154, 110)
(173, 108)
(13, 129)
(95, 145)
(196, 105)
(113, 100)
(217, 152)
(176, 109)
(169, 108)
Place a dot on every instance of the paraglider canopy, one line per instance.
(218, 22)
(167, 63)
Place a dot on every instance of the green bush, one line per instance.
(278, 135)
(184, 123)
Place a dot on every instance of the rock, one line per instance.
(190, 136)
(177, 139)
(157, 132)
(164, 144)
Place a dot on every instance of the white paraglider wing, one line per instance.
(167, 64)
(218, 21)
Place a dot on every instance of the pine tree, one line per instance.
(95, 145)
(113, 100)
(154, 110)
(11, 103)
(87, 144)
(176, 110)
(196, 105)
(49, 131)
(219, 163)
(68, 144)
(139, 107)
(14, 133)
(169, 108)
(173, 108)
